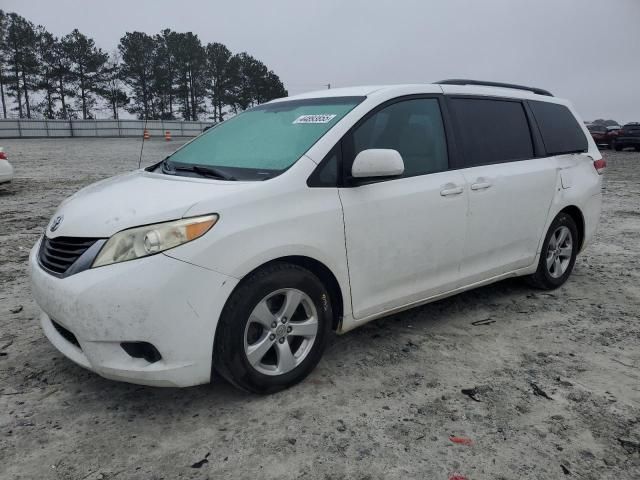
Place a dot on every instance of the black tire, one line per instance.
(618, 147)
(544, 278)
(229, 357)
(637, 148)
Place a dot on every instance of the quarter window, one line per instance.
(559, 129)
(492, 131)
(412, 127)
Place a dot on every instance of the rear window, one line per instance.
(631, 129)
(560, 131)
(493, 131)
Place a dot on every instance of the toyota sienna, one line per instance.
(239, 253)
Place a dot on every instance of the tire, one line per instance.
(556, 264)
(618, 147)
(637, 148)
(254, 332)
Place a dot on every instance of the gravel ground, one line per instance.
(556, 375)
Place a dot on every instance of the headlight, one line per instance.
(143, 241)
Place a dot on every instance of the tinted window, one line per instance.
(326, 175)
(412, 127)
(560, 131)
(492, 131)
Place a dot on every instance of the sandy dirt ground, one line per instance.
(556, 375)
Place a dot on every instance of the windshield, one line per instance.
(263, 141)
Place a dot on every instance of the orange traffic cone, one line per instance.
(146, 134)
(167, 136)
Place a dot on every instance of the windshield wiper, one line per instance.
(204, 170)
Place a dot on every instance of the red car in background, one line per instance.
(604, 135)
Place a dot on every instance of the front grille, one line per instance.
(66, 334)
(58, 254)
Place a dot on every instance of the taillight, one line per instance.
(600, 165)
(3, 156)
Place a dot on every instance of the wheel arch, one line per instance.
(576, 214)
(325, 275)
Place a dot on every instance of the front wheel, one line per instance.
(558, 254)
(273, 329)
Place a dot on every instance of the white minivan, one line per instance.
(240, 252)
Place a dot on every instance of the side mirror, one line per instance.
(377, 162)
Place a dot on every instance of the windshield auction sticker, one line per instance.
(314, 118)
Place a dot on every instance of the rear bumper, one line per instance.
(170, 304)
(6, 172)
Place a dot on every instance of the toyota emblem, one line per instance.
(56, 223)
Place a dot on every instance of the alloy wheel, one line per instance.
(559, 252)
(281, 331)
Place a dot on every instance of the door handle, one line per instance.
(451, 189)
(480, 186)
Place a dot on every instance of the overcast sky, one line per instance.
(584, 50)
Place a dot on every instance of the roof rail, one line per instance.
(460, 81)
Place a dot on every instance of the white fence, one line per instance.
(22, 128)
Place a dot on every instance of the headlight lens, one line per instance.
(143, 241)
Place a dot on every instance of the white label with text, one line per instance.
(324, 118)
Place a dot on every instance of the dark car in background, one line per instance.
(628, 136)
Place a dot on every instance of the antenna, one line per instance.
(143, 138)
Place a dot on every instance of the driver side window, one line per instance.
(412, 127)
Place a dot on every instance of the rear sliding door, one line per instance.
(510, 190)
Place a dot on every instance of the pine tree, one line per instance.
(63, 78)
(112, 89)
(254, 83)
(191, 69)
(87, 68)
(164, 73)
(47, 61)
(221, 77)
(138, 52)
(3, 65)
(19, 51)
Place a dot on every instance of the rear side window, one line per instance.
(412, 127)
(492, 131)
(560, 131)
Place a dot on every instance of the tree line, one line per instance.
(168, 75)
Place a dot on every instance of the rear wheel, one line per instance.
(273, 329)
(618, 147)
(637, 147)
(558, 255)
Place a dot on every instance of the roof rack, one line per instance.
(460, 81)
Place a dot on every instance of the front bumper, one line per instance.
(169, 303)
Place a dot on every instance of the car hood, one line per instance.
(133, 199)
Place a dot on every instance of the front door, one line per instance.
(404, 236)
